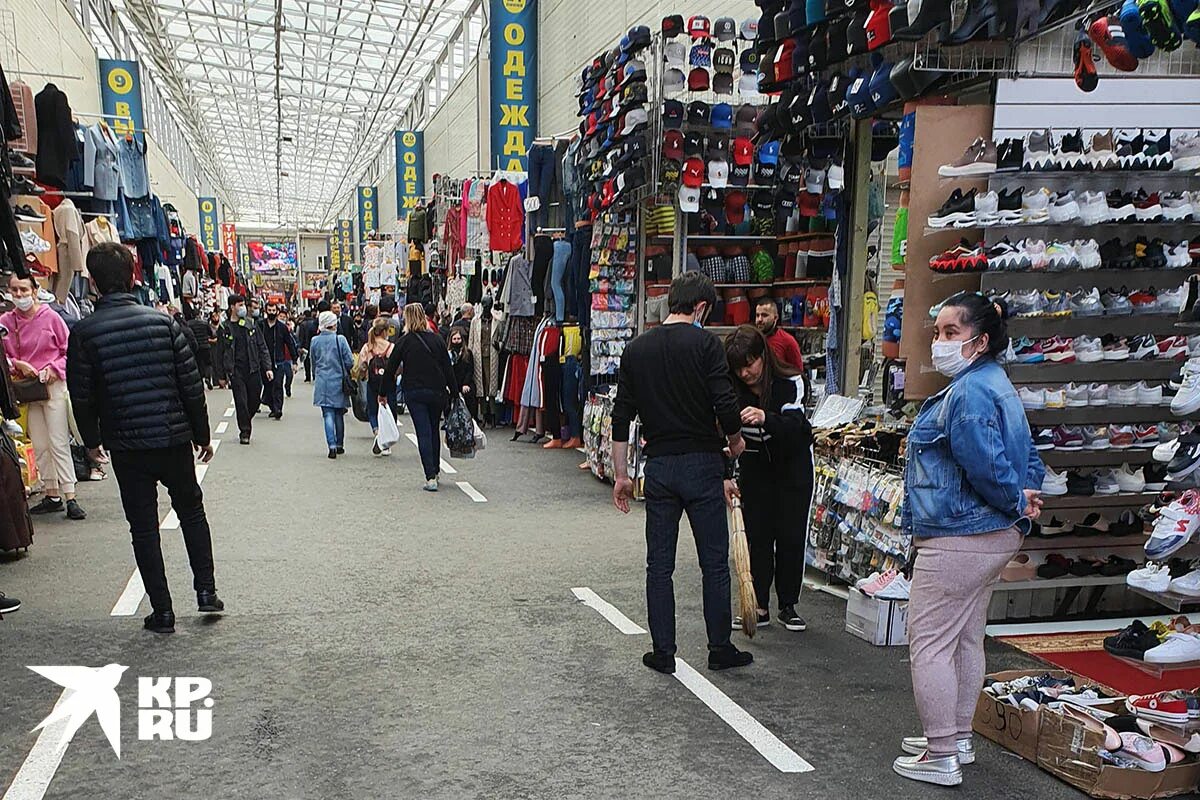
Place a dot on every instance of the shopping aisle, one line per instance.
(380, 637)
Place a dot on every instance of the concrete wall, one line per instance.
(311, 248)
(49, 40)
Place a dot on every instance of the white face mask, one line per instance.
(23, 303)
(948, 357)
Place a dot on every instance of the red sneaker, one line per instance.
(1160, 707)
(1106, 32)
(1059, 350)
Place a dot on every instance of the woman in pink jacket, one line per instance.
(36, 347)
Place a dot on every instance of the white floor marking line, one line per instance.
(201, 471)
(170, 522)
(222, 427)
(446, 468)
(782, 757)
(131, 598)
(229, 412)
(216, 445)
(35, 774)
(412, 437)
(607, 610)
(471, 492)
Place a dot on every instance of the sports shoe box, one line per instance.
(1067, 750)
(1014, 729)
(880, 622)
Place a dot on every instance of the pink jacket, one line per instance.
(43, 339)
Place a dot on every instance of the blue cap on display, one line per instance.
(768, 153)
(883, 93)
(722, 116)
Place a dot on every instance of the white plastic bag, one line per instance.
(389, 433)
(480, 438)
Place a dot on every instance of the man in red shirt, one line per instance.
(783, 344)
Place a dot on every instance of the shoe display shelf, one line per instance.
(1157, 671)
(1076, 229)
(1172, 600)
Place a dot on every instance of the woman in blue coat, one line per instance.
(331, 361)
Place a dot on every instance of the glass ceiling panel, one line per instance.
(347, 72)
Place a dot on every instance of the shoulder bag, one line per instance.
(28, 390)
(347, 384)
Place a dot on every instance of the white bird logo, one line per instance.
(89, 690)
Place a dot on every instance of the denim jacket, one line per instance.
(970, 456)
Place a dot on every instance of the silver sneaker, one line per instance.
(942, 771)
(916, 745)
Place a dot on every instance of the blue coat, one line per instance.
(332, 360)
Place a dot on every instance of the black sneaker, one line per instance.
(160, 622)
(1043, 439)
(74, 511)
(20, 160)
(1010, 155)
(1156, 257)
(1187, 457)
(1070, 152)
(341, 451)
(1110, 254)
(25, 213)
(244, 439)
(660, 662)
(333, 452)
(958, 210)
(23, 185)
(207, 602)
(1080, 485)
(1158, 151)
(791, 620)
(1008, 206)
(728, 657)
(1132, 642)
(763, 621)
(8, 604)
(49, 505)
(375, 449)
(1129, 150)
(1156, 476)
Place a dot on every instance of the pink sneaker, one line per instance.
(879, 583)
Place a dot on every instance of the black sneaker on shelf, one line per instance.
(1043, 439)
(23, 185)
(8, 604)
(20, 161)
(1110, 254)
(1186, 459)
(1080, 485)
(728, 657)
(1115, 565)
(791, 620)
(1157, 150)
(1008, 204)
(160, 622)
(959, 209)
(1120, 206)
(207, 602)
(48, 505)
(1010, 154)
(1130, 146)
(1132, 642)
(24, 213)
(74, 511)
(1070, 152)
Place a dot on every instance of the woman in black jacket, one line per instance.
(776, 472)
(428, 384)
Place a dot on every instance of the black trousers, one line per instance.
(272, 391)
(204, 364)
(776, 518)
(138, 474)
(308, 368)
(246, 391)
(552, 396)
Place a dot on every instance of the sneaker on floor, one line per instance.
(791, 620)
(74, 511)
(160, 622)
(940, 771)
(728, 657)
(431, 485)
(8, 604)
(660, 662)
(916, 745)
(48, 505)
(764, 620)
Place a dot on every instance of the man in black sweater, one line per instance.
(242, 361)
(676, 380)
(135, 387)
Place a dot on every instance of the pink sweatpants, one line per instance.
(951, 587)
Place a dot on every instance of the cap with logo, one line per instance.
(698, 27)
(725, 29)
(718, 146)
(675, 53)
(762, 203)
(672, 114)
(739, 175)
(722, 116)
(743, 151)
(768, 153)
(635, 70)
(701, 54)
(698, 113)
(718, 173)
(674, 81)
(672, 25)
(724, 60)
(693, 143)
(746, 119)
(748, 30)
(735, 207)
(672, 146)
(693, 172)
(698, 80)
(689, 199)
(784, 69)
(749, 60)
(672, 171)
(879, 25)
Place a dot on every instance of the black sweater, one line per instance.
(426, 364)
(779, 450)
(675, 378)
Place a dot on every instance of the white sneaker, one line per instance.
(431, 485)
(1033, 399)
(1106, 482)
(1148, 395)
(1187, 584)
(1165, 451)
(987, 209)
(1152, 578)
(1177, 206)
(1064, 207)
(1093, 208)
(1056, 398)
(1123, 395)
(1177, 648)
(898, 589)
(1171, 301)
(1077, 395)
(1035, 251)
(1187, 400)
(1088, 349)
(1054, 484)
(1177, 254)
(1088, 251)
(1130, 481)
(1098, 394)
(1035, 206)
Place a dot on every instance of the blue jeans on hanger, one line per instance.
(576, 283)
(572, 380)
(541, 180)
(558, 273)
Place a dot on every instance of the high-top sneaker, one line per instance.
(1069, 153)
(1146, 207)
(1008, 205)
(1158, 150)
(1120, 206)
(978, 159)
(1101, 153)
(1010, 154)
(1037, 151)
(1130, 146)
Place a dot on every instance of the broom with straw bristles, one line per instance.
(741, 567)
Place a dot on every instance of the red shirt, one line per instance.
(786, 348)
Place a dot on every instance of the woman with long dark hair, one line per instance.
(776, 471)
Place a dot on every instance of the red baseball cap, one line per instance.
(743, 151)
(672, 144)
(735, 207)
(693, 173)
(698, 26)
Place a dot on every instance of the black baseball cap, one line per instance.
(672, 25)
(698, 113)
(725, 29)
(672, 114)
(693, 144)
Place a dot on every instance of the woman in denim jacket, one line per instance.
(971, 493)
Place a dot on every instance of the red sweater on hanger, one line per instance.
(505, 216)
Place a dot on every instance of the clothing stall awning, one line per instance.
(310, 88)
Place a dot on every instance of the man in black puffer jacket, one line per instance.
(135, 387)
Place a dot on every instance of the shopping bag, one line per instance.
(359, 400)
(459, 429)
(480, 438)
(389, 432)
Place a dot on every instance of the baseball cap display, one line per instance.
(639, 38)
(718, 174)
(748, 84)
(724, 60)
(672, 144)
(701, 54)
(768, 153)
(835, 177)
(746, 120)
(722, 83)
(672, 25)
(725, 29)
(672, 171)
(743, 151)
(749, 60)
(693, 143)
(735, 207)
(698, 113)
(739, 175)
(675, 53)
(722, 116)
(714, 201)
(673, 81)
(718, 146)
(693, 172)
(635, 70)
(689, 199)
(748, 30)
(762, 203)
(672, 114)
(698, 79)
(698, 27)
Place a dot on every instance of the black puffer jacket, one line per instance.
(133, 379)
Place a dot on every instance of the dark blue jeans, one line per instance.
(541, 179)
(575, 284)
(693, 484)
(373, 407)
(335, 426)
(572, 377)
(425, 409)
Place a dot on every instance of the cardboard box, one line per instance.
(1067, 750)
(880, 622)
(1012, 728)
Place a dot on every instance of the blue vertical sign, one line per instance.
(345, 237)
(367, 219)
(209, 225)
(410, 171)
(514, 86)
(121, 96)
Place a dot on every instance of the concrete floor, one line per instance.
(385, 642)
